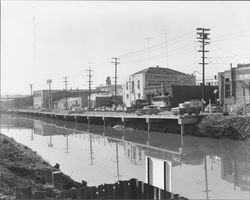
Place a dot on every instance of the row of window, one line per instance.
(133, 85)
(138, 95)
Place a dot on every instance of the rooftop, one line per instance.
(160, 70)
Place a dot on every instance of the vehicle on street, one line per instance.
(188, 107)
(150, 110)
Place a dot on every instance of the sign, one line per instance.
(167, 80)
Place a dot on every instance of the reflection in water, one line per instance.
(91, 152)
(198, 168)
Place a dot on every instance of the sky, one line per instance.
(43, 40)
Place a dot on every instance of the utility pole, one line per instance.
(203, 39)
(49, 81)
(89, 81)
(66, 95)
(116, 63)
(148, 39)
(166, 49)
(31, 93)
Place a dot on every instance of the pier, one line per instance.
(89, 116)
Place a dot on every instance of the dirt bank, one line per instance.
(236, 127)
(22, 167)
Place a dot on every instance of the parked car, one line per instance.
(130, 109)
(214, 109)
(151, 109)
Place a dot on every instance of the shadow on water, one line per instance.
(163, 156)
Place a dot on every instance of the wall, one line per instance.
(134, 90)
(185, 93)
(239, 80)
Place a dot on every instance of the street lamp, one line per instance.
(49, 81)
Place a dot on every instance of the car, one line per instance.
(140, 112)
(214, 109)
(130, 109)
(151, 109)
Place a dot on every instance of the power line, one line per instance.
(144, 50)
(66, 95)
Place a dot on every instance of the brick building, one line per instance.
(234, 87)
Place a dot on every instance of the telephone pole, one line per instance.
(203, 39)
(66, 95)
(31, 93)
(116, 63)
(49, 81)
(166, 49)
(90, 82)
(148, 39)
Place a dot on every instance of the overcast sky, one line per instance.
(52, 39)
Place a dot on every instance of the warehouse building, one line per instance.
(234, 87)
(106, 94)
(154, 81)
(51, 98)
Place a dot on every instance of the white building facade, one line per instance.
(154, 81)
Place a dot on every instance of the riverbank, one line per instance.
(21, 167)
(235, 127)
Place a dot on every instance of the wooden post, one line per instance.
(148, 122)
(182, 133)
(57, 179)
(210, 106)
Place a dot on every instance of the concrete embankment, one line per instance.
(236, 127)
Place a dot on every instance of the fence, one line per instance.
(130, 189)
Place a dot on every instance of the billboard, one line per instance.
(167, 80)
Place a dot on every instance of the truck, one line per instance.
(188, 107)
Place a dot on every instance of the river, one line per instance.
(197, 168)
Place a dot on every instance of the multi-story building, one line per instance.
(234, 87)
(154, 81)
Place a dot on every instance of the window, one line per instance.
(227, 90)
(139, 95)
(133, 86)
(127, 96)
(138, 84)
(126, 85)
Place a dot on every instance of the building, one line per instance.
(42, 98)
(110, 89)
(154, 81)
(70, 102)
(234, 87)
(106, 94)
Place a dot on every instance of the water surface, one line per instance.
(197, 168)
